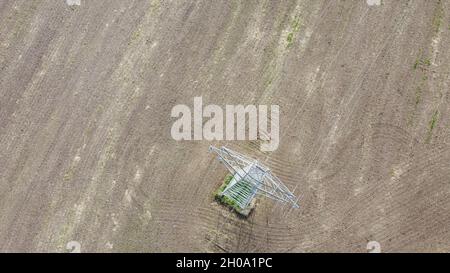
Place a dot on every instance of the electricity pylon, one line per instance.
(250, 178)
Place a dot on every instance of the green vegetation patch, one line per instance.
(422, 63)
(438, 17)
(225, 200)
(422, 66)
(432, 125)
(295, 27)
(244, 188)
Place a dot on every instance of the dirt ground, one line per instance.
(86, 153)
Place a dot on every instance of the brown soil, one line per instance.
(86, 153)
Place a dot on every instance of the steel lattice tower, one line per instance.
(250, 178)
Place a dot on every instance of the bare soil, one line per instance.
(85, 147)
